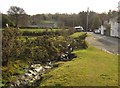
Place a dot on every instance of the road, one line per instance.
(108, 44)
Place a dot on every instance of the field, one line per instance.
(92, 67)
(38, 30)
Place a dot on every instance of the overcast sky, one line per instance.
(59, 6)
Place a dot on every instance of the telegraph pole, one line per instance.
(87, 19)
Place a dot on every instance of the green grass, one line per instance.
(77, 34)
(92, 67)
(38, 30)
(31, 30)
(47, 21)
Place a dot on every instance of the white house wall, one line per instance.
(119, 30)
(114, 29)
(102, 30)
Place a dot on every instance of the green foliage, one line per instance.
(112, 14)
(15, 13)
(13, 69)
(77, 34)
(83, 18)
(49, 46)
(40, 54)
(6, 20)
(80, 42)
(55, 45)
(96, 22)
(11, 52)
(10, 44)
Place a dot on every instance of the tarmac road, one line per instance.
(106, 43)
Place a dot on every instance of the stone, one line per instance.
(47, 67)
(35, 65)
(39, 69)
(43, 70)
(22, 77)
(32, 81)
(50, 63)
(26, 80)
(17, 82)
(29, 75)
(32, 72)
(37, 77)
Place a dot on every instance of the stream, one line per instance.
(33, 73)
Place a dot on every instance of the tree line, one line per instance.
(17, 17)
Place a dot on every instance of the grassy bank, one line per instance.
(77, 34)
(92, 67)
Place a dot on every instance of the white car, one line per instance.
(79, 28)
(97, 31)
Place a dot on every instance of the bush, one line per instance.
(40, 54)
(10, 44)
(80, 42)
(13, 69)
(49, 46)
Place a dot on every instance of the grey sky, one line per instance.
(59, 6)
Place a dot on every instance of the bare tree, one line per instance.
(15, 12)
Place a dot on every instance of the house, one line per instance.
(110, 28)
(114, 31)
(119, 19)
(115, 24)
